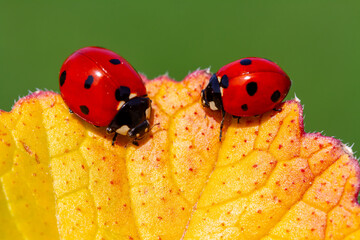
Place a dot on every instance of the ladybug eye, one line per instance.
(115, 61)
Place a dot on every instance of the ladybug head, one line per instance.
(211, 95)
(139, 131)
(132, 119)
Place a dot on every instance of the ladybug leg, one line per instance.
(238, 118)
(135, 142)
(114, 139)
(222, 123)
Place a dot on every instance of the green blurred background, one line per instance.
(316, 42)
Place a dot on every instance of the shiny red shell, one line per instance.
(96, 94)
(241, 98)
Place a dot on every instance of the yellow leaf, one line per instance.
(62, 179)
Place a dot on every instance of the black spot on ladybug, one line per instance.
(62, 78)
(224, 81)
(84, 109)
(88, 82)
(122, 94)
(251, 88)
(244, 107)
(115, 61)
(245, 61)
(275, 96)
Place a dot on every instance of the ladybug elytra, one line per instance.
(246, 87)
(102, 88)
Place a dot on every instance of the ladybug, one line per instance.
(246, 87)
(102, 88)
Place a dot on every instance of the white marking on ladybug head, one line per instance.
(213, 106)
(120, 105)
(146, 129)
(222, 91)
(132, 95)
(137, 135)
(219, 79)
(123, 130)
(202, 98)
(147, 112)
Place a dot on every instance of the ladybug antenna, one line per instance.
(156, 124)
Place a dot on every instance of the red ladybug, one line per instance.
(102, 88)
(246, 87)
